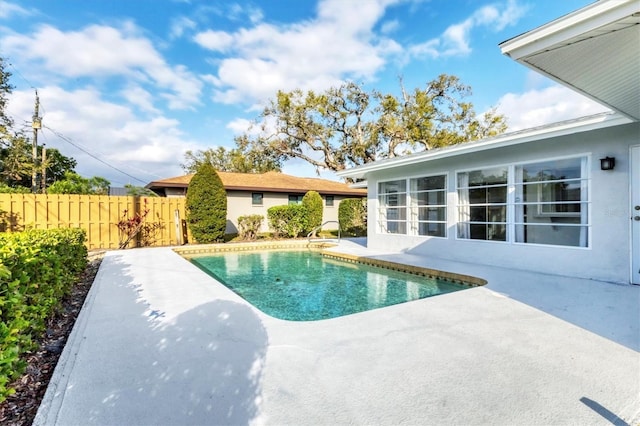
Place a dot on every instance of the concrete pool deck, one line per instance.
(158, 342)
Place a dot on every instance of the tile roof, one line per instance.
(266, 182)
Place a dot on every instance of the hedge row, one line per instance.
(37, 269)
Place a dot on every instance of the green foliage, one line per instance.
(37, 269)
(6, 189)
(138, 191)
(289, 220)
(238, 160)
(249, 226)
(312, 202)
(206, 205)
(352, 215)
(73, 183)
(346, 126)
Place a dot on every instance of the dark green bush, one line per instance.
(206, 205)
(37, 269)
(312, 202)
(352, 215)
(289, 220)
(249, 226)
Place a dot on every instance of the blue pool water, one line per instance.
(305, 286)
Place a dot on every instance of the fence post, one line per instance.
(178, 224)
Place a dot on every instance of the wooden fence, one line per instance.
(98, 215)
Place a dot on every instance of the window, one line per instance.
(295, 199)
(256, 198)
(482, 204)
(551, 202)
(429, 206)
(328, 200)
(392, 207)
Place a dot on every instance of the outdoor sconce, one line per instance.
(607, 163)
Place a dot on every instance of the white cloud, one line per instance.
(180, 25)
(310, 55)
(8, 9)
(543, 106)
(214, 40)
(104, 51)
(139, 97)
(456, 39)
(144, 148)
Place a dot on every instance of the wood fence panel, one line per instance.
(98, 215)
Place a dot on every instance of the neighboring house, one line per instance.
(560, 199)
(249, 193)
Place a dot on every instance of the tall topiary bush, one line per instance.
(352, 215)
(206, 206)
(312, 202)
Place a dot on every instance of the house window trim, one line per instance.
(411, 226)
(511, 203)
(326, 200)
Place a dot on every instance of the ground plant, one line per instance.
(312, 202)
(206, 205)
(37, 269)
(249, 226)
(287, 221)
(352, 215)
(135, 227)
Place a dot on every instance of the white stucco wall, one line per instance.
(608, 256)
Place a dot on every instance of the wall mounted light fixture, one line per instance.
(607, 163)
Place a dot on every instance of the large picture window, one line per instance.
(482, 204)
(551, 202)
(429, 206)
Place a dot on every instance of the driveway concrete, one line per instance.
(159, 342)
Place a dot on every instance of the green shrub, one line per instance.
(312, 202)
(289, 220)
(352, 215)
(248, 226)
(37, 270)
(206, 205)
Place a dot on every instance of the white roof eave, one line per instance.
(598, 121)
(574, 24)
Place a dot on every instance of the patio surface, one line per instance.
(158, 342)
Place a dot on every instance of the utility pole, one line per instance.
(36, 124)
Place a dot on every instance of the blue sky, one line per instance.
(136, 83)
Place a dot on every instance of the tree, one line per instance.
(5, 90)
(312, 202)
(347, 126)
(206, 205)
(73, 183)
(237, 160)
(138, 191)
(16, 162)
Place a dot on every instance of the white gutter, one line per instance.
(584, 124)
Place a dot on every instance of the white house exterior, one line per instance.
(536, 199)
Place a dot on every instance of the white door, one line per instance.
(635, 214)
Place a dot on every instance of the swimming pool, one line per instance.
(307, 286)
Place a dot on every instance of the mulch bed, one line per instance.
(20, 408)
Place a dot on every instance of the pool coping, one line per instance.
(321, 247)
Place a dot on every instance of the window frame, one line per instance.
(410, 224)
(253, 198)
(326, 200)
(513, 203)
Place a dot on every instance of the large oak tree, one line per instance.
(347, 126)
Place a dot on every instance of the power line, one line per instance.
(66, 139)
